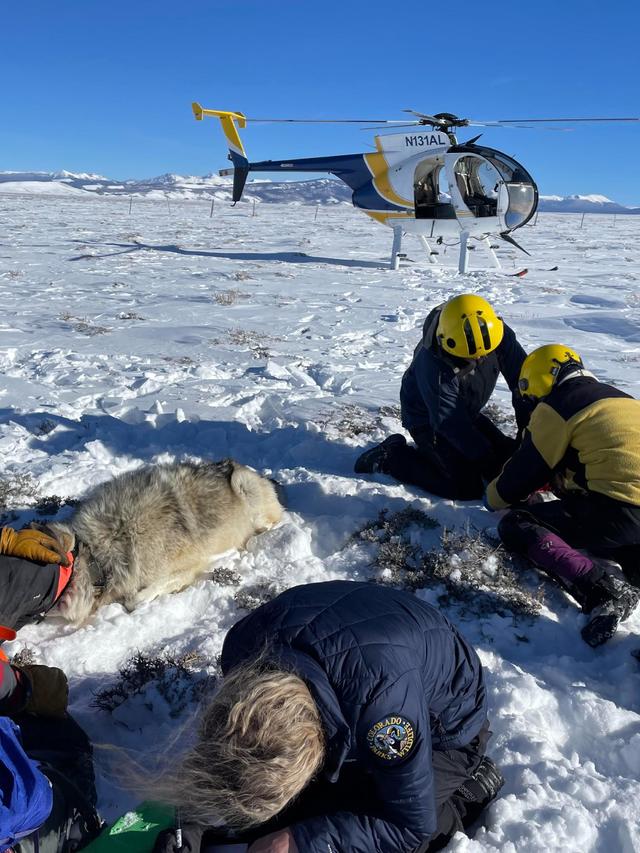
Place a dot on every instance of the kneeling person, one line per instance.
(455, 367)
(585, 435)
(352, 717)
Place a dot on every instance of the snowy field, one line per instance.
(281, 341)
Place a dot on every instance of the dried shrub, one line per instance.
(83, 325)
(130, 315)
(52, 504)
(250, 597)
(179, 680)
(18, 489)
(254, 341)
(352, 420)
(505, 419)
(478, 576)
(25, 657)
(229, 297)
(225, 576)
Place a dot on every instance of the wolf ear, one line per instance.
(245, 483)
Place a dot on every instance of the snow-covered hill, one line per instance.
(280, 340)
(583, 204)
(194, 187)
(176, 187)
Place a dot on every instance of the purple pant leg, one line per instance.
(552, 554)
(522, 533)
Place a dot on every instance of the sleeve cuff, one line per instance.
(492, 499)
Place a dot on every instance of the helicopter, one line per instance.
(421, 181)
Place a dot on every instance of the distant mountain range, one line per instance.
(193, 188)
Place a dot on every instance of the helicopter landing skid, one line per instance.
(397, 255)
(463, 261)
(395, 248)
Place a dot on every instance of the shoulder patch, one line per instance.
(392, 738)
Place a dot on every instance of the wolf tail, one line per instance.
(236, 148)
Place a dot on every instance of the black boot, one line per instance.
(608, 599)
(372, 460)
(479, 790)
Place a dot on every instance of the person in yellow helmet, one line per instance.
(584, 436)
(465, 346)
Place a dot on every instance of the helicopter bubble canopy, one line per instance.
(487, 183)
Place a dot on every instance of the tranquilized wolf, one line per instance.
(154, 530)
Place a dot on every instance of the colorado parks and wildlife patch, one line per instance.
(392, 738)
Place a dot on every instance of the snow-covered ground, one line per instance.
(276, 339)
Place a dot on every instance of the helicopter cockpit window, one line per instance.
(477, 181)
(522, 200)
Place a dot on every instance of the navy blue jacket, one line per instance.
(392, 679)
(441, 393)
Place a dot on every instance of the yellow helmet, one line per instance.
(468, 327)
(541, 367)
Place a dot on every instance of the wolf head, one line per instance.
(259, 496)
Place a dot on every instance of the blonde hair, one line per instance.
(260, 743)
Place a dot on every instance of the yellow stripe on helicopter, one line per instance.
(228, 121)
(379, 168)
(383, 215)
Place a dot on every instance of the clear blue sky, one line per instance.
(106, 86)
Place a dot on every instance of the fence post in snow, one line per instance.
(213, 201)
(254, 208)
(582, 221)
(130, 203)
(317, 209)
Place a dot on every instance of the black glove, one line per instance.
(191, 839)
(523, 408)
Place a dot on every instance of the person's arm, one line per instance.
(451, 420)
(13, 690)
(545, 443)
(511, 357)
(34, 688)
(403, 813)
(32, 544)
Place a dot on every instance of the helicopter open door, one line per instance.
(474, 185)
(432, 199)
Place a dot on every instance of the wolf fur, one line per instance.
(154, 530)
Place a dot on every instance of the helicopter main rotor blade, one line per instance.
(522, 121)
(396, 126)
(329, 120)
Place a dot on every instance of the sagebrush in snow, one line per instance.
(503, 418)
(252, 596)
(25, 657)
(477, 575)
(19, 491)
(179, 680)
(352, 420)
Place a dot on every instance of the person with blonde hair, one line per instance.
(352, 717)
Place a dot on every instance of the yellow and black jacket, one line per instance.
(584, 430)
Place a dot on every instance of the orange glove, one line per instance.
(32, 545)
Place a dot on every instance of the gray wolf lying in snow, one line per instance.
(154, 530)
